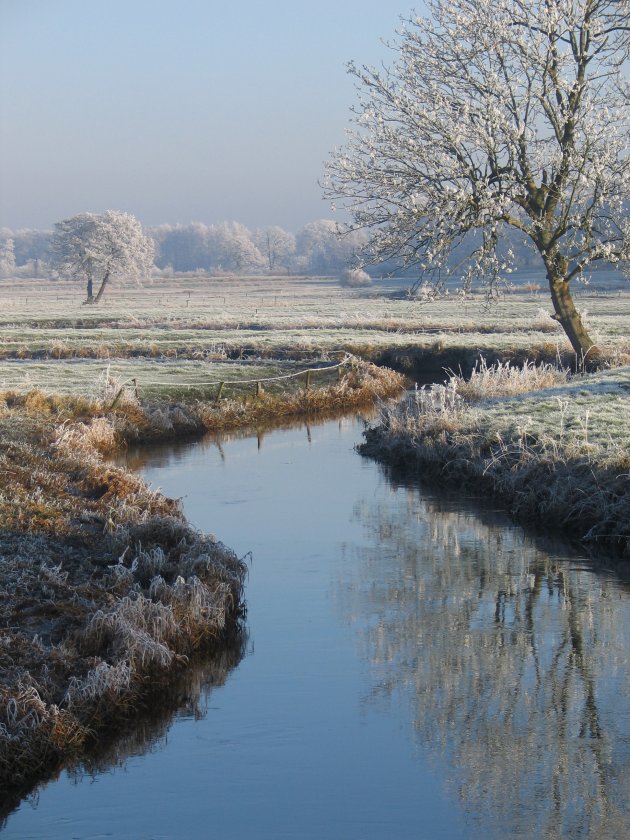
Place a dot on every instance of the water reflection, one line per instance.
(146, 732)
(509, 660)
(166, 454)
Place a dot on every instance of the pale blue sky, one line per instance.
(178, 110)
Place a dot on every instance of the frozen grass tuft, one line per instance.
(103, 682)
(97, 435)
(505, 379)
(137, 630)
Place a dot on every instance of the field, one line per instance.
(184, 335)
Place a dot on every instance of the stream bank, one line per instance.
(551, 447)
(416, 666)
(108, 591)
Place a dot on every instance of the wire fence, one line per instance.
(308, 374)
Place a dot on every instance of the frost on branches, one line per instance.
(496, 114)
(101, 248)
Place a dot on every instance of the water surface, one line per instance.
(416, 667)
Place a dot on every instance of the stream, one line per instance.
(415, 666)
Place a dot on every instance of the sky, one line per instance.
(179, 110)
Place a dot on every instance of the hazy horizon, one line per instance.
(178, 112)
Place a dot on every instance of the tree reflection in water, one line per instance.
(510, 660)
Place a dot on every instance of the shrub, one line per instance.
(355, 278)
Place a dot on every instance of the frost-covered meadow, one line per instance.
(182, 331)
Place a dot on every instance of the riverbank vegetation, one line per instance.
(553, 446)
(106, 590)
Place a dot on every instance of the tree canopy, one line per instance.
(496, 114)
(98, 248)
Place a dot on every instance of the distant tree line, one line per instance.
(229, 247)
(226, 247)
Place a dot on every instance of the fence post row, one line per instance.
(259, 383)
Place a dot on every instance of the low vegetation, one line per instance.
(554, 446)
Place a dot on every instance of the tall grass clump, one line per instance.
(505, 379)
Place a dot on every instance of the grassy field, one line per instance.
(177, 330)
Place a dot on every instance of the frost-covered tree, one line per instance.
(233, 248)
(7, 258)
(316, 244)
(183, 247)
(497, 114)
(276, 244)
(100, 248)
(324, 251)
(29, 245)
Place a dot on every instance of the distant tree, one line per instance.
(227, 246)
(183, 247)
(31, 245)
(233, 248)
(323, 250)
(316, 243)
(100, 248)
(497, 114)
(276, 245)
(7, 258)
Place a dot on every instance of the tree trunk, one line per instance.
(569, 318)
(90, 293)
(102, 289)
